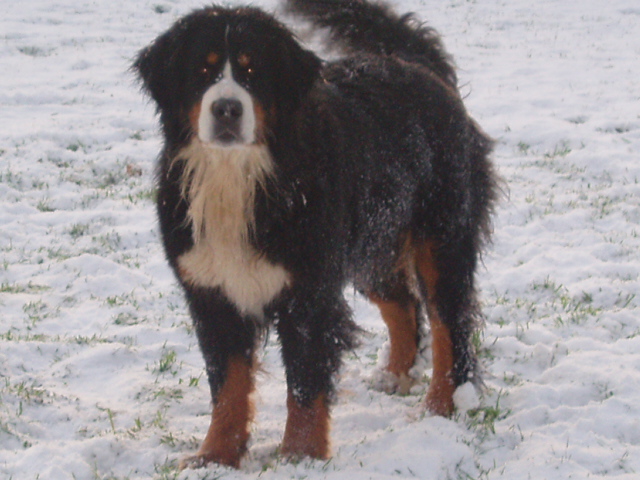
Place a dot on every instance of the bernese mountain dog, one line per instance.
(285, 178)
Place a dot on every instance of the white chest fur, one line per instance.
(220, 184)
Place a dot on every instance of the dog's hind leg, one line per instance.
(400, 312)
(446, 275)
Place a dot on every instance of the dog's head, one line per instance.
(226, 75)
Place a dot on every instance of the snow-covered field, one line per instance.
(100, 374)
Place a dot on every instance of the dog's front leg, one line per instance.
(314, 330)
(307, 430)
(227, 342)
(226, 439)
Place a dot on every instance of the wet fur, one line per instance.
(366, 171)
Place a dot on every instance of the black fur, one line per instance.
(376, 29)
(368, 150)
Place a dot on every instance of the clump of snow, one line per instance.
(100, 372)
(466, 397)
(384, 381)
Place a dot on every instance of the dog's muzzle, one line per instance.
(227, 117)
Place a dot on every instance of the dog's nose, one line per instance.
(227, 110)
(227, 120)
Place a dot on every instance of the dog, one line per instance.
(285, 178)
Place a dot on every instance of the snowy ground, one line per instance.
(100, 375)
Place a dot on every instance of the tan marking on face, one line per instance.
(261, 122)
(244, 60)
(194, 116)
(213, 58)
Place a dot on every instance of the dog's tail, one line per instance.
(360, 25)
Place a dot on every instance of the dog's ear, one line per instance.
(160, 67)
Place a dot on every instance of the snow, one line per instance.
(100, 373)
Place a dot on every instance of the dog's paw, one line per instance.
(192, 462)
(388, 382)
(201, 460)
